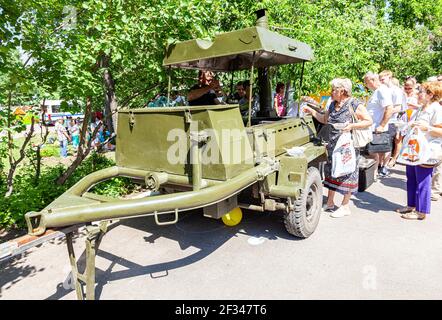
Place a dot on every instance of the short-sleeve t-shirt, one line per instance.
(411, 100)
(432, 115)
(60, 129)
(207, 99)
(399, 98)
(74, 130)
(380, 98)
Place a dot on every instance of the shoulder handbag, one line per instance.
(381, 143)
(361, 137)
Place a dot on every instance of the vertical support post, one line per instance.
(74, 273)
(231, 84)
(169, 85)
(91, 251)
(300, 88)
(249, 121)
(85, 282)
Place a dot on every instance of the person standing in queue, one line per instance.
(427, 118)
(339, 113)
(380, 107)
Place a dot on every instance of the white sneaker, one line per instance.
(341, 212)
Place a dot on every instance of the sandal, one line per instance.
(414, 215)
(404, 210)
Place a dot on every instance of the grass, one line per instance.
(47, 151)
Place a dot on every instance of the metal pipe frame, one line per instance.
(160, 204)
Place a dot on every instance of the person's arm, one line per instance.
(198, 93)
(397, 108)
(65, 133)
(389, 111)
(363, 117)
(275, 104)
(435, 131)
(435, 125)
(385, 96)
(413, 105)
(321, 117)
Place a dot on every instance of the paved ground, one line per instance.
(372, 254)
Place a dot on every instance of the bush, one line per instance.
(29, 196)
(50, 151)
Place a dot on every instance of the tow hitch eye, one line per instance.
(33, 220)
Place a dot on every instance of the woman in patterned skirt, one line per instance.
(339, 113)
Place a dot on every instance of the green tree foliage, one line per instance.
(350, 38)
(29, 196)
(410, 13)
(62, 48)
(67, 38)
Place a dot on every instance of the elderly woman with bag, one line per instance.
(341, 114)
(428, 119)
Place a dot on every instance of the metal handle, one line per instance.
(167, 222)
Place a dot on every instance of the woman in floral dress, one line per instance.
(339, 113)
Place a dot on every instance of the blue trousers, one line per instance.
(419, 188)
(63, 148)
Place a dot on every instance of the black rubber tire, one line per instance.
(304, 218)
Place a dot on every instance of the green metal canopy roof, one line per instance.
(234, 51)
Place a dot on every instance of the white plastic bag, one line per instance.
(435, 152)
(415, 148)
(344, 156)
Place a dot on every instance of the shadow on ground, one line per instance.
(192, 230)
(16, 268)
(369, 201)
(6, 235)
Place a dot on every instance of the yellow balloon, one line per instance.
(232, 218)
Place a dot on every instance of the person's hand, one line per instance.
(422, 125)
(413, 106)
(348, 127)
(379, 129)
(308, 99)
(307, 109)
(214, 84)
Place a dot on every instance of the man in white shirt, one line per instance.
(63, 137)
(399, 106)
(380, 107)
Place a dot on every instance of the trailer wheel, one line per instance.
(233, 217)
(303, 219)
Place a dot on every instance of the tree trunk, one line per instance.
(84, 147)
(14, 163)
(10, 182)
(110, 99)
(38, 166)
(43, 141)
